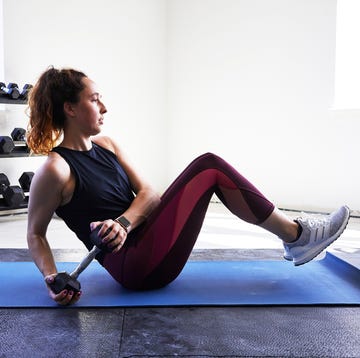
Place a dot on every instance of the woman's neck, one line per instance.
(79, 144)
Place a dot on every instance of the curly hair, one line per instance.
(46, 107)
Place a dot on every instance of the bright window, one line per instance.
(347, 71)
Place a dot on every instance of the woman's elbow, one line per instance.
(155, 198)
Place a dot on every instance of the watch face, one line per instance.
(123, 221)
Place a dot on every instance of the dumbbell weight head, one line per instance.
(18, 134)
(4, 182)
(6, 145)
(13, 195)
(25, 180)
(11, 90)
(14, 93)
(25, 91)
(3, 89)
(63, 281)
(19, 137)
(9, 145)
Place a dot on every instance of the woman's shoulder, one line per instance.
(54, 167)
(105, 142)
(53, 183)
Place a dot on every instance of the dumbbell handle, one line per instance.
(85, 262)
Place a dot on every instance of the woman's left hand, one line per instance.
(112, 233)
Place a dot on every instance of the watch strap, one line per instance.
(124, 223)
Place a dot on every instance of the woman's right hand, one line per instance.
(65, 297)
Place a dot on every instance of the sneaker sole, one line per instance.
(288, 258)
(309, 257)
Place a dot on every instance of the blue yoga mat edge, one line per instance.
(330, 281)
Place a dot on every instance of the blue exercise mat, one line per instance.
(330, 281)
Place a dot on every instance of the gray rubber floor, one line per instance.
(179, 332)
(289, 331)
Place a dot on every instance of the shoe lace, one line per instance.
(315, 222)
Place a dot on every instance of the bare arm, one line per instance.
(46, 194)
(44, 198)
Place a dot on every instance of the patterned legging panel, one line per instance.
(158, 251)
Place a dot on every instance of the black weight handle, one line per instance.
(65, 281)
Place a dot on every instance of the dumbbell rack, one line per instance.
(12, 101)
(22, 208)
(15, 153)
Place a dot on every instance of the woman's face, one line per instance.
(88, 113)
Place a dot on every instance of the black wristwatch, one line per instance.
(125, 223)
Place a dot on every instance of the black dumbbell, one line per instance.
(18, 134)
(15, 142)
(11, 91)
(25, 91)
(6, 145)
(66, 281)
(19, 137)
(25, 180)
(13, 195)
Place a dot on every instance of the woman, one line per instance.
(89, 182)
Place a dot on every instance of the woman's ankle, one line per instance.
(294, 233)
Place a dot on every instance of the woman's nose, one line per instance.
(102, 107)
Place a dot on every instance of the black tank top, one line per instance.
(102, 190)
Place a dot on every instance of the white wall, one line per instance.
(251, 80)
(1, 42)
(120, 44)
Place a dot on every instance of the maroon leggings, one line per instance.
(157, 252)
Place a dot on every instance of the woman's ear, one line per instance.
(69, 109)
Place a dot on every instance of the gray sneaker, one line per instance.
(317, 235)
(287, 255)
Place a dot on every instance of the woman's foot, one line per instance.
(316, 236)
